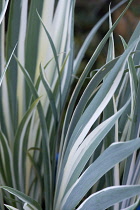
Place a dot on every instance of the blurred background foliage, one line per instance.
(87, 13)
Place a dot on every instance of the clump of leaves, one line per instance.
(63, 148)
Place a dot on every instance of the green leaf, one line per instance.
(4, 10)
(111, 156)
(111, 50)
(45, 140)
(27, 207)
(6, 161)
(37, 172)
(3, 73)
(32, 42)
(1, 198)
(100, 100)
(95, 107)
(32, 37)
(55, 56)
(12, 37)
(10, 207)
(19, 153)
(90, 37)
(93, 84)
(87, 70)
(132, 131)
(101, 200)
(21, 95)
(80, 153)
(50, 94)
(51, 43)
(109, 110)
(26, 199)
(132, 72)
(67, 76)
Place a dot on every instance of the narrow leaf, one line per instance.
(45, 140)
(23, 197)
(55, 55)
(4, 11)
(111, 156)
(50, 93)
(18, 154)
(6, 158)
(10, 207)
(81, 153)
(87, 70)
(3, 73)
(101, 200)
(90, 37)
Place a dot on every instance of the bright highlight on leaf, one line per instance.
(4, 10)
(3, 73)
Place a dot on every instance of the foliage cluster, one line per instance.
(62, 146)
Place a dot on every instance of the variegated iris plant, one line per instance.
(65, 146)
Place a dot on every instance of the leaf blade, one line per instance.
(4, 11)
(117, 194)
(22, 197)
(112, 155)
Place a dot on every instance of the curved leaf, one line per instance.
(18, 154)
(111, 156)
(55, 56)
(109, 196)
(100, 101)
(50, 93)
(81, 153)
(45, 140)
(26, 199)
(10, 207)
(95, 81)
(87, 70)
(90, 36)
